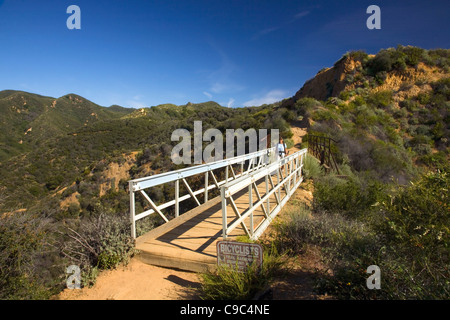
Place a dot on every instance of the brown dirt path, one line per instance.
(138, 281)
(299, 128)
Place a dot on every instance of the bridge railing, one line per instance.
(320, 147)
(255, 161)
(288, 172)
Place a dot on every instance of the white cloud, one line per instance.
(270, 97)
(226, 87)
(230, 103)
(209, 95)
(301, 14)
(218, 87)
(136, 104)
(222, 79)
(275, 28)
(264, 32)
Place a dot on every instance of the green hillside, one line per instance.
(84, 136)
(28, 120)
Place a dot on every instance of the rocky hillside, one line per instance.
(391, 69)
(388, 113)
(329, 82)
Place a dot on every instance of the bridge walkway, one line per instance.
(189, 241)
(249, 201)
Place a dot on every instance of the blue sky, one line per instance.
(139, 53)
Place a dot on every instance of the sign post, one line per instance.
(239, 254)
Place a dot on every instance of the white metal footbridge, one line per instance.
(246, 192)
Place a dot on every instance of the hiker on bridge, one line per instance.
(282, 148)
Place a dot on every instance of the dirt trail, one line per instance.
(299, 129)
(140, 281)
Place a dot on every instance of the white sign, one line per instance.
(238, 254)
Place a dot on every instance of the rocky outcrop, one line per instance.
(328, 82)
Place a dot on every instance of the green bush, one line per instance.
(380, 99)
(436, 161)
(304, 106)
(365, 117)
(100, 242)
(344, 95)
(413, 55)
(405, 233)
(108, 259)
(23, 238)
(289, 143)
(312, 168)
(381, 62)
(352, 196)
(299, 231)
(418, 215)
(439, 57)
(324, 115)
(347, 248)
(396, 59)
(415, 231)
(410, 105)
(358, 55)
